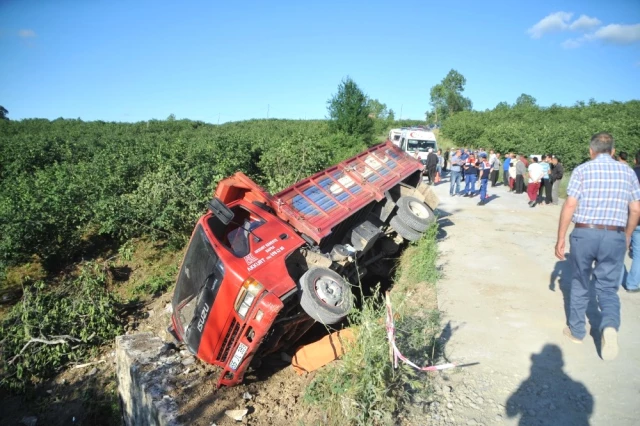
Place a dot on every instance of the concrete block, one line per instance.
(141, 364)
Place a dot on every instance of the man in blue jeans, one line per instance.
(456, 173)
(470, 173)
(633, 277)
(603, 200)
(485, 171)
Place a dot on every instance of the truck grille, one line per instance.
(229, 341)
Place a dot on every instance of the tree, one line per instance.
(377, 109)
(446, 97)
(525, 100)
(3, 113)
(349, 111)
(391, 116)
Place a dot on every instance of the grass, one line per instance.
(363, 388)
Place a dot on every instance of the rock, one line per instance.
(140, 387)
(450, 406)
(49, 391)
(29, 421)
(474, 406)
(471, 422)
(246, 396)
(188, 361)
(184, 353)
(236, 415)
(93, 371)
(479, 400)
(168, 308)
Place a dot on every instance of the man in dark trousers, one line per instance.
(495, 166)
(603, 200)
(431, 165)
(556, 176)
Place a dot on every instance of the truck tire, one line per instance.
(325, 295)
(415, 213)
(404, 230)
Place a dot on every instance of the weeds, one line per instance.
(363, 388)
(53, 326)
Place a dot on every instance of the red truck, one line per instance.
(260, 269)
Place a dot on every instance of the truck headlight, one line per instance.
(247, 294)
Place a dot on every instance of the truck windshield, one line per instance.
(197, 266)
(236, 236)
(420, 145)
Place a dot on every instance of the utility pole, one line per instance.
(268, 106)
(401, 105)
(218, 118)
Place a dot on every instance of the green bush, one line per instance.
(70, 321)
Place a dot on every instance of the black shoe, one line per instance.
(534, 204)
(634, 290)
(481, 203)
(530, 202)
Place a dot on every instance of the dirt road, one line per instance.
(502, 295)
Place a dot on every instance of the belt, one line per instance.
(605, 227)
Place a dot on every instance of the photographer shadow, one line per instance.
(561, 278)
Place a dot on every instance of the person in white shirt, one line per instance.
(535, 177)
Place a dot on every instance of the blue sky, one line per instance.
(211, 60)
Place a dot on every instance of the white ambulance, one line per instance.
(412, 140)
(394, 136)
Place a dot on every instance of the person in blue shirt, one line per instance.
(505, 169)
(546, 181)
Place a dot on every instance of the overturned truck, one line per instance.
(260, 269)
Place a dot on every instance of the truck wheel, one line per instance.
(415, 213)
(326, 296)
(404, 230)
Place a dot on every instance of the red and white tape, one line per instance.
(391, 332)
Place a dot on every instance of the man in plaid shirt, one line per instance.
(603, 200)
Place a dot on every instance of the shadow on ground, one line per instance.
(549, 396)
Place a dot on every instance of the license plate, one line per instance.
(237, 357)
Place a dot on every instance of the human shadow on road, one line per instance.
(561, 278)
(549, 396)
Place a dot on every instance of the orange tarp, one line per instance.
(318, 354)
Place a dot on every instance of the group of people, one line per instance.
(603, 202)
(542, 175)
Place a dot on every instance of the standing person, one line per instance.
(470, 176)
(545, 184)
(520, 171)
(633, 278)
(623, 158)
(446, 156)
(456, 172)
(505, 169)
(485, 171)
(440, 165)
(464, 156)
(492, 156)
(535, 176)
(604, 203)
(556, 176)
(495, 169)
(431, 164)
(512, 173)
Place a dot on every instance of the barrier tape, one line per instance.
(391, 331)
